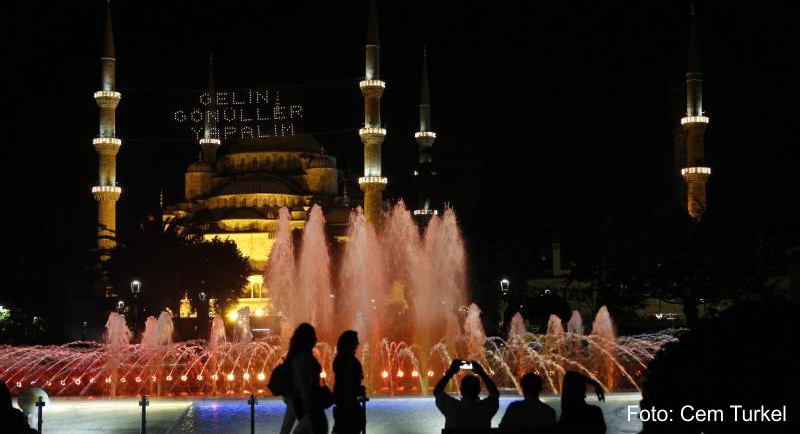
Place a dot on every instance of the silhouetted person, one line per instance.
(348, 415)
(578, 417)
(306, 400)
(530, 415)
(12, 420)
(470, 412)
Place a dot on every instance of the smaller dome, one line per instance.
(321, 162)
(199, 166)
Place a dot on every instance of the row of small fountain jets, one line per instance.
(403, 290)
(242, 365)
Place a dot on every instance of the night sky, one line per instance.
(552, 116)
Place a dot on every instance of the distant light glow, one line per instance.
(230, 377)
(415, 373)
(400, 374)
(246, 376)
(323, 374)
(384, 374)
(261, 376)
(430, 373)
(259, 312)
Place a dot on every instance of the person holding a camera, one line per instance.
(469, 412)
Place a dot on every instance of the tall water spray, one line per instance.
(362, 281)
(280, 274)
(313, 280)
(604, 350)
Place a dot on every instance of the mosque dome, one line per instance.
(300, 142)
(321, 162)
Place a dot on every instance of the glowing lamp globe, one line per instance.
(28, 398)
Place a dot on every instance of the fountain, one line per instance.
(403, 290)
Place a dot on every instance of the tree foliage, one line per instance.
(171, 263)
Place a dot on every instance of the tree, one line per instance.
(172, 262)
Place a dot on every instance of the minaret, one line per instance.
(425, 137)
(210, 141)
(696, 173)
(106, 192)
(372, 135)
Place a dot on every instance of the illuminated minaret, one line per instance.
(695, 173)
(106, 192)
(210, 141)
(372, 135)
(425, 137)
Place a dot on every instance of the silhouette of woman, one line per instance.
(578, 417)
(348, 415)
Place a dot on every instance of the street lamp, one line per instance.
(203, 315)
(504, 286)
(136, 289)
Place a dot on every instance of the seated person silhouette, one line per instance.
(578, 417)
(529, 415)
(470, 413)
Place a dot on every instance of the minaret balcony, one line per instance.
(107, 98)
(426, 212)
(697, 170)
(430, 134)
(372, 180)
(694, 120)
(210, 141)
(106, 192)
(372, 131)
(107, 94)
(107, 145)
(372, 83)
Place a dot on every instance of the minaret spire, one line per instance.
(425, 173)
(373, 133)
(210, 142)
(696, 173)
(106, 193)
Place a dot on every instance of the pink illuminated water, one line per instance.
(402, 288)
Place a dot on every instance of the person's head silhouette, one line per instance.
(303, 340)
(470, 387)
(5, 396)
(531, 385)
(348, 342)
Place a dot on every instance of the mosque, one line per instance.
(235, 189)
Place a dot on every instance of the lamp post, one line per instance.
(503, 301)
(136, 289)
(203, 314)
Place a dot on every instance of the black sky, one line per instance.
(552, 116)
